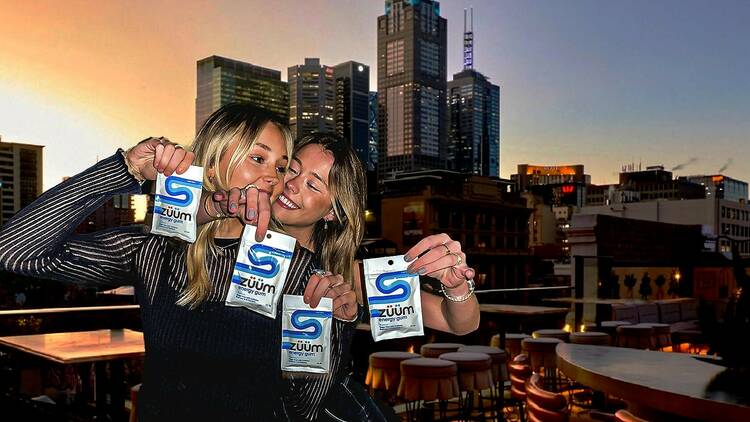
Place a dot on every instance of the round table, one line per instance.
(653, 382)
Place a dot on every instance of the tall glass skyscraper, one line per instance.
(351, 112)
(474, 134)
(312, 98)
(412, 42)
(222, 81)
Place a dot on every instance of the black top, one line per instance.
(215, 362)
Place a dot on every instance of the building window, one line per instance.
(395, 120)
(394, 59)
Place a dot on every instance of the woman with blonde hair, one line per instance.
(322, 205)
(204, 360)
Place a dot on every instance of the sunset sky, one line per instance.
(600, 83)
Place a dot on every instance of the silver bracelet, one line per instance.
(463, 298)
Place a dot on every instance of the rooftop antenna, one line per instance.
(469, 40)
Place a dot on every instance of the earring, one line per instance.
(325, 224)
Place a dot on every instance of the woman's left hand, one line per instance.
(440, 257)
(335, 287)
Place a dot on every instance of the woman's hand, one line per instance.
(157, 155)
(333, 286)
(249, 204)
(440, 257)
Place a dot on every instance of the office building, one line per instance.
(352, 108)
(311, 98)
(412, 61)
(20, 177)
(223, 81)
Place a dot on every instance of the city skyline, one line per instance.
(590, 83)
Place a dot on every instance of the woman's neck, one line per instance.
(303, 236)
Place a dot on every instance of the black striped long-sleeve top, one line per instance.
(211, 363)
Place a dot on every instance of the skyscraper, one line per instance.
(311, 97)
(474, 107)
(412, 42)
(351, 111)
(474, 135)
(222, 81)
(20, 177)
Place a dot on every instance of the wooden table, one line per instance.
(517, 318)
(99, 347)
(655, 383)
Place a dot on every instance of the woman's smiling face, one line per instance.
(306, 197)
(265, 164)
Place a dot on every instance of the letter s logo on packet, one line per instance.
(306, 335)
(394, 299)
(176, 204)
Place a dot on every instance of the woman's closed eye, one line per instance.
(313, 187)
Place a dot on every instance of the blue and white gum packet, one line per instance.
(176, 204)
(260, 271)
(306, 335)
(394, 298)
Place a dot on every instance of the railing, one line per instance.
(523, 295)
(46, 320)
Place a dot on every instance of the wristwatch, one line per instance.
(464, 297)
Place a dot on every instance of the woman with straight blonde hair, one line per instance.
(204, 360)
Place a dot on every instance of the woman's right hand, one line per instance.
(250, 204)
(158, 155)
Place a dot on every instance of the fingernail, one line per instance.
(407, 258)
(470, 274)
(250, 214)
(421, 271)
(305, 299)
(410, 269)
(233, 207)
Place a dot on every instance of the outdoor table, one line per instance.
(517, 318)
(653, 383)
(99, 347)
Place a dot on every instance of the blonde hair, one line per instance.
(233, 122)
(337, 244)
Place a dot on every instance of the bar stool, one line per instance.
(635, 336)
(426, 380)
(512, 343)
(610, 327)
(384, 372)
(662, 336)
(474, 375)
(499, 370)
(590, 337)
(543, 357)
(434, 350)
(591, 326)
(520, 371)
(552, 333)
